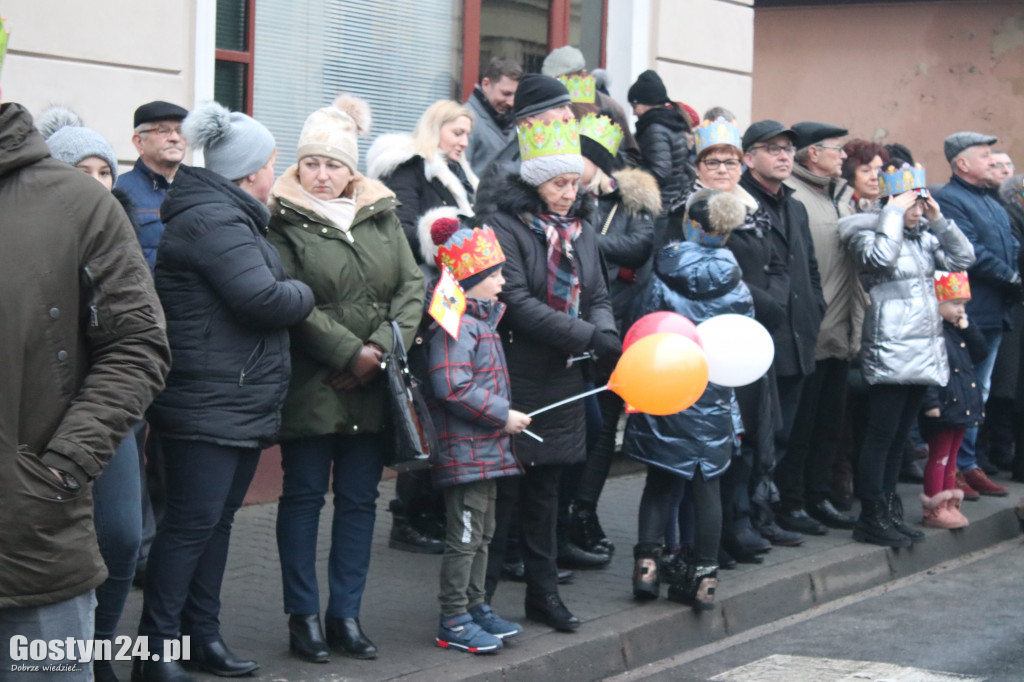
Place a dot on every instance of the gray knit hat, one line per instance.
(71, 142)
(563, 60)
(234, 145)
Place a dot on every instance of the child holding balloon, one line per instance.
(698, 279)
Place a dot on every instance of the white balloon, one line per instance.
(738, 348)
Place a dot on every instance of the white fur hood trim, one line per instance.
(388, 152)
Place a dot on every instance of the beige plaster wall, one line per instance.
(703, 50)
(910, 73)
(101, 58)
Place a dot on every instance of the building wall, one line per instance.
(101, 58)
(909, 73)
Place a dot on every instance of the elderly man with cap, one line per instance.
(538, 98)
(161, 149)
(813, 391)
(995, 279)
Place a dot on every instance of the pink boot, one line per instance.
(936, 513)
(953, 507)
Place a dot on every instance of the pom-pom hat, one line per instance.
(234, 145)
(470, 254)
(952, 286)
(549, 150)
(711, 216)
(332, 131)
(71, 142)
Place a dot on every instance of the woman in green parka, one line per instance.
(337, 231)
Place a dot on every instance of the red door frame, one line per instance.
(246, 56)
(559, 19)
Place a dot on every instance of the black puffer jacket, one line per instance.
(660, 133)
(539, 340)
(791, 236)
(959, 402)
(627, 239)
(228, 305)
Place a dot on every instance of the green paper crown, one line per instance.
(3, 42)
(582, 89)
(602, 130)
(548, 139)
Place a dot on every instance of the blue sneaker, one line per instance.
(462, 633)
(494, 624)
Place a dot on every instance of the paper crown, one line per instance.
(468, 253)
(582, 89)
(952, 285)
(548, 139)
(895, 180)
(3, 42)
(602, 130)
(715, 132)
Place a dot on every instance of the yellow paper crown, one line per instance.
(582, 89)
(603, 130)
(952, 285)
(468, 255)
(3, 42)
(715, 132)
(895, 180)
(548, 139)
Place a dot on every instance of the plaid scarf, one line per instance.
(563, 280)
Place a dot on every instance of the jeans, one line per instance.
(968, 456)
(117, 506)
(206, 484)
(892, 409)
(357, 463)
(656, 507)
(70, 618)
(469, 508)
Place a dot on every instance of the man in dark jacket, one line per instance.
(768, 148)
(84, 350)
(494, 124)
(995, 280)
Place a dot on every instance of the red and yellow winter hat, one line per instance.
(471, 255)
(952, 286)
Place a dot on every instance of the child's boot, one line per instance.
(956, 496)
(935, 511)
(697, 588)
(646, 582)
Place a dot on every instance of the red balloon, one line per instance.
(661, 322)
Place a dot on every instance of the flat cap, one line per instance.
(811, 132)
(159, 111)
(765, 130)
(957, 142)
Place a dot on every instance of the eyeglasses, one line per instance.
(1008, 165)
(163, 131)
(715, 164)
(836, 147)
(775, 149)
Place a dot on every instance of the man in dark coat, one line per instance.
(84, 350)
(995, 280)
(494, 124)
(768, 152)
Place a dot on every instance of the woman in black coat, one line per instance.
(543, 228)
(228, 305)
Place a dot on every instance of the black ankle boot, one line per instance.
(407, 538)
(550, 610)
(345, 636)
(894, 505)
(215, 657)
(873, 526)
(306, 638)
(585, 530)
(159, 671)
(646, 570)
(697, 588)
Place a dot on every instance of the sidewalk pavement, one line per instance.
(400, 611)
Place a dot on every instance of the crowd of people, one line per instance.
(271, 303)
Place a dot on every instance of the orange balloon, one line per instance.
(661, 374)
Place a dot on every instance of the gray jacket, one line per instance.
(485, 139)
(902, 339)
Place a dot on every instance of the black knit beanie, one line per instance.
(648, 89)
(537, 94)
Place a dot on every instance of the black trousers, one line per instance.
(805, 474)
(656, 508)
(891, 411)
(535, 494)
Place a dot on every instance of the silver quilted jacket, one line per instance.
(902, 340)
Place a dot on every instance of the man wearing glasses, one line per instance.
(161, 150)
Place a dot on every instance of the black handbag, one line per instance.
(413, 436)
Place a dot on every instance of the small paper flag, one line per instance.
(448, 304)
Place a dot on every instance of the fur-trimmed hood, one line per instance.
(638, 190)
(388, 152)
(516, 196)
(366, 191)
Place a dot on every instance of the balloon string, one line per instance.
(566, 401)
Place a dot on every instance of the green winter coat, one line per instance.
(359, 286)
